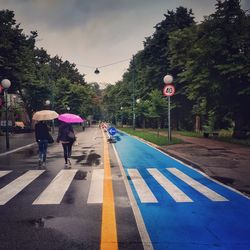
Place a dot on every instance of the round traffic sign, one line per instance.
(112, 131)
(169, 90)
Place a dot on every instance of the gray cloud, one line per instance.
(97, 32)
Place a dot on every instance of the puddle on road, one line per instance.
(88, 158)
(72, 227)
(80, 175)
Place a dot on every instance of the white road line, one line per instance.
(142, 189)
(96, 187)
(54, 193)
(17, 149)
(16, 186)
(210, 194)
(190, 167)
(173, 190)
(147, 244)
(3, 173)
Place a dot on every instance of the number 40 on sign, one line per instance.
(169, 90)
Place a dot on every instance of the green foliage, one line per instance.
(189, 133)
(213, 57)
(144, 77)
(209, 62)
(37, 77)
(151, 137)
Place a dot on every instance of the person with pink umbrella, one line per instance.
(66, 134)
(67, 137)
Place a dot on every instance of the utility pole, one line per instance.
(133, 76)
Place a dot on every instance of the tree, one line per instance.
(213, 58)
(37, 76)
(157, 107)
(149, 66)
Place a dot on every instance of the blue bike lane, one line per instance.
(181, 207)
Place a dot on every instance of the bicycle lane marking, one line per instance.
(201, 223)
(108, 230)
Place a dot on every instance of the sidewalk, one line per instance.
(16, 141)
(228, 163)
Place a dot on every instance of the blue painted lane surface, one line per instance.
(218, 221)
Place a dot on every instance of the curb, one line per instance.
(183, 159)
(178, 157)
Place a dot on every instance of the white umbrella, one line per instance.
(44, 115)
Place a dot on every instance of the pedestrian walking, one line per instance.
(67, 137)
(42, 138)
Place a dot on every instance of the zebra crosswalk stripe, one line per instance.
(54, 193)
(4, 172)
(96, 187)
(143, 191)
(16, 186)
(174, 191)
(56, 190)
(210, 194)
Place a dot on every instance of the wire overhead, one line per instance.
(97, 71)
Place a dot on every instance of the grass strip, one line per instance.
(151, 136)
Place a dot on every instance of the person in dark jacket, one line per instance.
(66, 136)
(42, 137)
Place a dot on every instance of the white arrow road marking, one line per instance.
(54, 193)
(142, 189)
(210, 194)
(173, 190)
(96, 187)
(16, 186)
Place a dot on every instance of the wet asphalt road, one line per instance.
(72, 224)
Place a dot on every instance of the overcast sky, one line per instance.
(98, 32)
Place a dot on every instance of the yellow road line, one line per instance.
(109, 232)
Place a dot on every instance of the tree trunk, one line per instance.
(143, 122)
(241, 128)
(197, 123)
(158, 126)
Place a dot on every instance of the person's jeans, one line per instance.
(42, 145)
(67, 149)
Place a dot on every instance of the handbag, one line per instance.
(71, 136)
(50, 139)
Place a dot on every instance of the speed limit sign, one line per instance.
(169, 90)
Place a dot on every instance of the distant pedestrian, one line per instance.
(42, 137)
(67, 137)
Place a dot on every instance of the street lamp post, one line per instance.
(6, 84)
(133, 73)
(121, 117)
(49, 104)
(168, 80)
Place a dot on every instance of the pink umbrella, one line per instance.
(70, 118)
